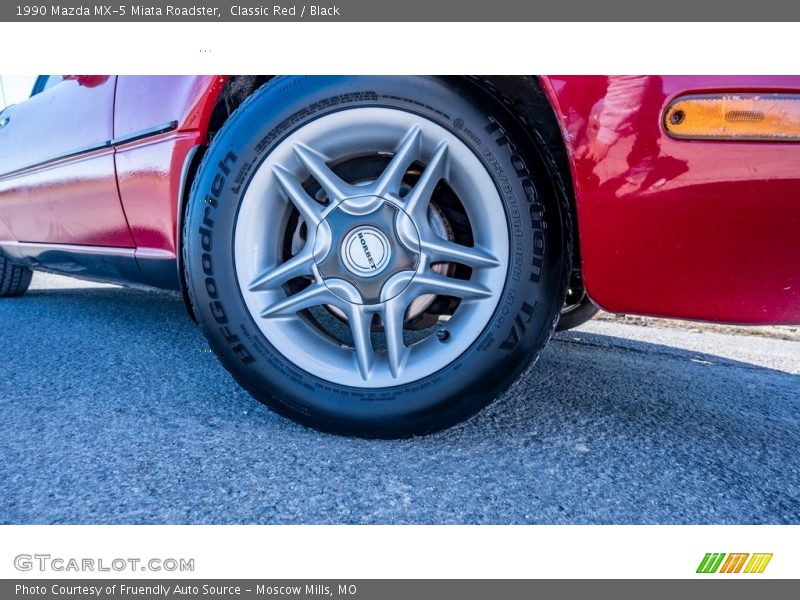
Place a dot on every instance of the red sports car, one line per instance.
(381, 256)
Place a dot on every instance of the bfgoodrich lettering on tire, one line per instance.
(376, 256)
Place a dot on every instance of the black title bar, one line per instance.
(405, 10)
(394, 589)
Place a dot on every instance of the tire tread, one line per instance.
(14, 279)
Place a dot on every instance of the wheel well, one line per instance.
(525, 99)
(521, 95)
(237, 89)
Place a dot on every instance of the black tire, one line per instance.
(523, 321)
(14, 279)
(578, 307)
(575, 315)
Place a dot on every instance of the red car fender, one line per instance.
(706, 230)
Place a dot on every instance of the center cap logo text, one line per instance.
(366, 251)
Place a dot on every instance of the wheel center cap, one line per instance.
(366, 251)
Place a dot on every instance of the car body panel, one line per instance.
(101, 201)
(150, 169)
(57, 177)
(706, 230)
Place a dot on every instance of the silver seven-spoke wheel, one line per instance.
(371, 247)
(376, 256)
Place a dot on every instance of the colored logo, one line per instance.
(719, 562)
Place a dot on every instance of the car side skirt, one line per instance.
(138, 267)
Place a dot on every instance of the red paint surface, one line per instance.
(703, 230)
(68, 201)
(149, 170)
(76, 200)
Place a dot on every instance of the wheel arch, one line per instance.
(532, 103)
(529, 99)
(220, 103)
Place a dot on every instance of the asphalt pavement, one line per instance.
(115, 411)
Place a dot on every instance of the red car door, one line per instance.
(57, 178)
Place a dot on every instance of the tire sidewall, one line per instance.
(522, 321)
(578, 315)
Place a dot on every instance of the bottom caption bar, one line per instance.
(391, 589)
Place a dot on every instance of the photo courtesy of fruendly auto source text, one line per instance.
(399, 300)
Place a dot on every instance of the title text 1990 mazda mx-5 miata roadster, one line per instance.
(382, 256)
